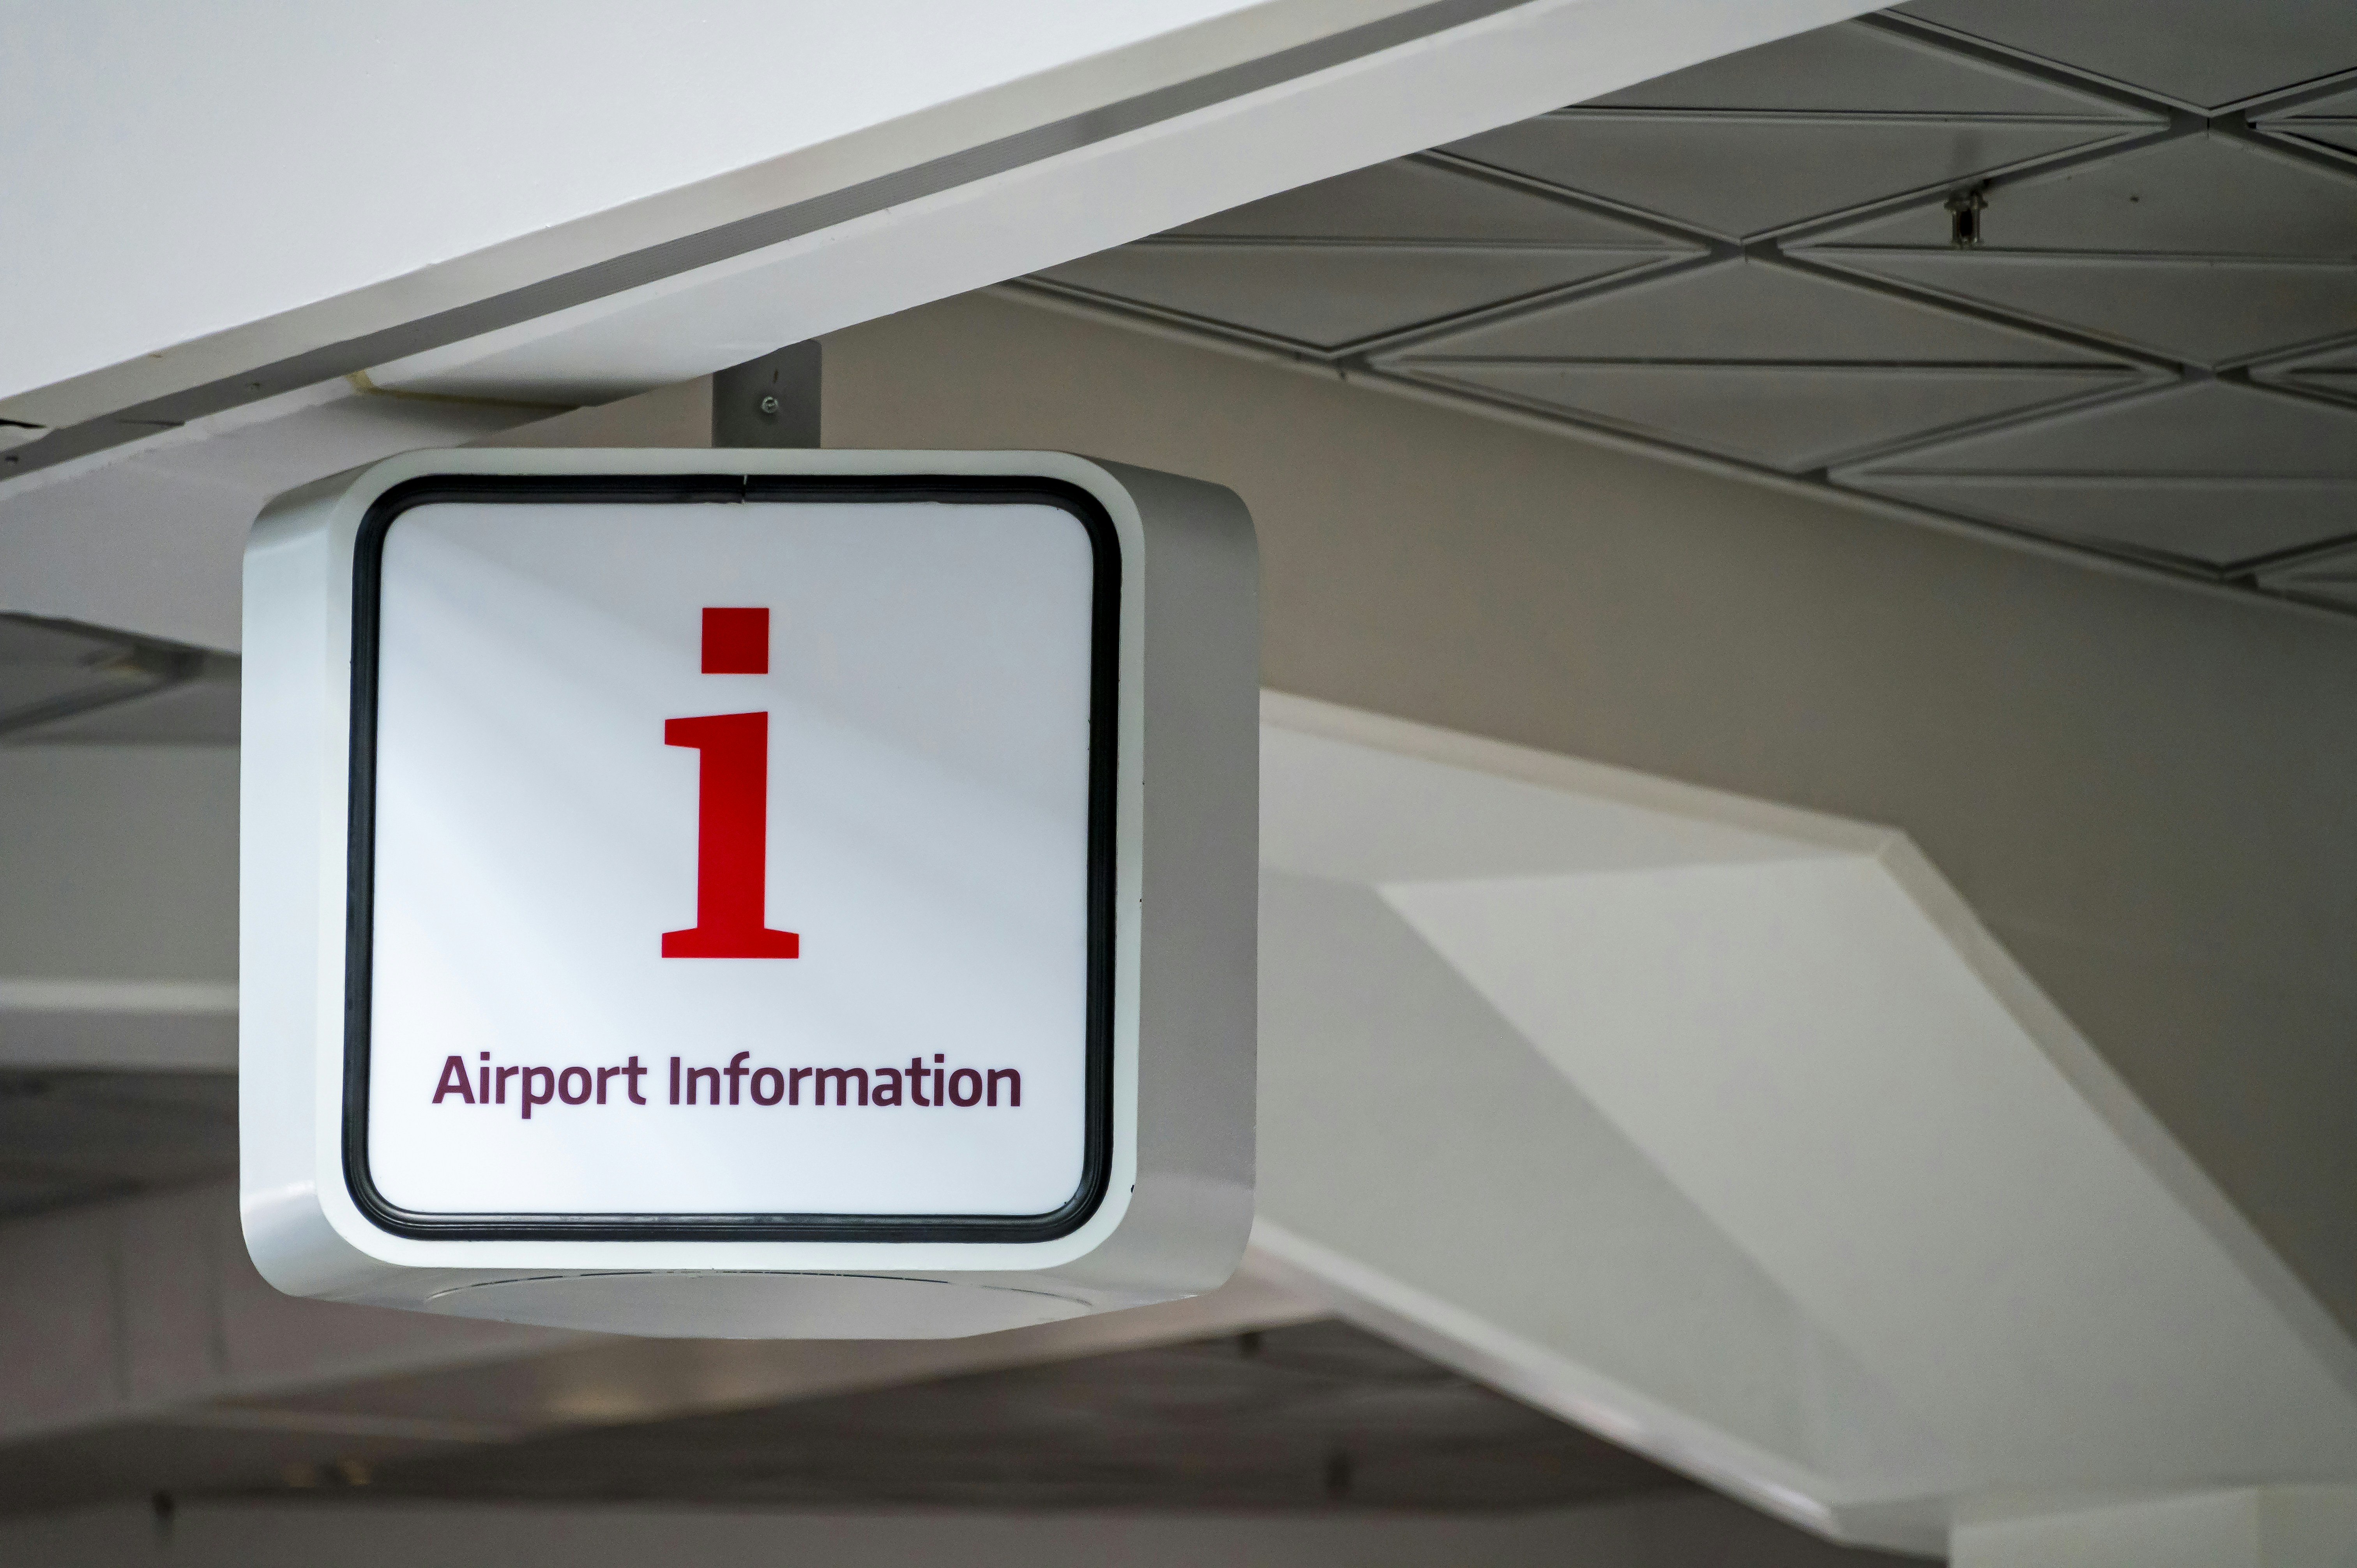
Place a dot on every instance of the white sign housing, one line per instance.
(768, 893)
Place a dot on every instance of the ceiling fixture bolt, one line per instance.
(1964, 210)
(768, 404)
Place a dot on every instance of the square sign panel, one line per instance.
(734, 861)
(664, 881)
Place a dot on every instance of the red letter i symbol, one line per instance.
(732, 821)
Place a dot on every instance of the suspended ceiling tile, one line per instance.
(1802, 128)
(2333, 135)
(2202, 194)
(2329, 579)
(1790, 417)
(2199, 52)
(2205, 249)
(1410, 199)
(2209, 472)
(2202, 311)
(1857, 68)
(2328, 124)
(1328, 296)
(2324, 380)
(1742, 175)
(2332, 374)
(2201, 429)
(1747, 310)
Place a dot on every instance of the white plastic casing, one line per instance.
(438, 875)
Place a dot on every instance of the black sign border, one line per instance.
(1104, 720)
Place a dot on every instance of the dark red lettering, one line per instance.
(710, 1074)
(887, 1086)
(794, 1085)
(973, 1090)
(777, 1086)
(1014, 1085)
(546, 1092)
(736, 642)
(564, 1085)
(453, 1081)
(732, 840)
(506, 1073)
(842, 1076)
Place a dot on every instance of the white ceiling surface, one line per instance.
(1790, 1179)
(1488, 71)
(432, 150)
(2152, 355)
(142, 549)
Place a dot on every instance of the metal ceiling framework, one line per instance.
(2148, 351)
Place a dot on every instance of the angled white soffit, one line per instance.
(425, 278)
(1725, 1130)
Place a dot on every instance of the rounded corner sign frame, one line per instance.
(1104, 681)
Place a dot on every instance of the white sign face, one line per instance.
(731, 861)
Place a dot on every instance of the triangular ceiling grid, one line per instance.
(2329, 579)
(2327, 125)
(2148, 349)
(1371, 253)
(1330, 297)
(1745, 311)
(2333, 373)
(1802, 128)
(2210, 472)
(1792, 418)
(2205, 249)
(2196, 53)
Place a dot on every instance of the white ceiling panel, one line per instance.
(1792, 418)
(2209, 472)
(2204, 249)
(1744, 310)
(2332, 374)
(2328, 124)
(1737, 175)
(2199, 52)
(2206, 429)
(2204, 195)
(1332, 296)
(2202, 311)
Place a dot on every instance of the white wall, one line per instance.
(2141, 788)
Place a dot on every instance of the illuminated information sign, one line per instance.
(656, 871)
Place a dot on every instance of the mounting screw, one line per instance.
(1964, 210)
(768, 404)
